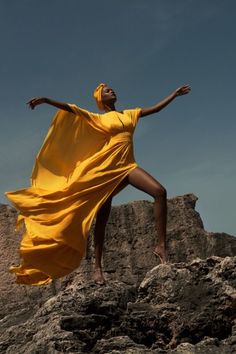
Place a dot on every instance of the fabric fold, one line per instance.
(83, 159)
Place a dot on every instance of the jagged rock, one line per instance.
(131, 237)
(17, 302)
(184, 303)
(178, 308)
(187, 306)
(117, 344)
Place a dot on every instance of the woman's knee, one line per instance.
(160, 192)
(142, 180)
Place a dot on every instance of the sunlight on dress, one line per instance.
(83, 159)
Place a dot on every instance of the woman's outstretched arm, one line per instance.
(39, 100)
(183, 90)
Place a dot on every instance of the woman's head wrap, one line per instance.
(97, 94)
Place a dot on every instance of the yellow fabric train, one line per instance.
(83, 159)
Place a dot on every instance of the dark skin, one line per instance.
(138, 178)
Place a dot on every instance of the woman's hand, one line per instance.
(36, 101)
(183, 90)
(39, 100)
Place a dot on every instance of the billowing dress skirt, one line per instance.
(83, 159)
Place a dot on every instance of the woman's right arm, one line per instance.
(39, 100)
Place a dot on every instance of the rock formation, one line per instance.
(184, 307)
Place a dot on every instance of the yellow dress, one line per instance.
(83, 159)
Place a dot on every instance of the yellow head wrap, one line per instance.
(97, 94)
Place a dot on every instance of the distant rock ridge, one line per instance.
(184, 307)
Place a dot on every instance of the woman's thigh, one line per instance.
(143, 181)
(124, 183)
(138, 178)
(106, 206)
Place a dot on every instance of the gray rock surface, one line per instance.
(184, 307)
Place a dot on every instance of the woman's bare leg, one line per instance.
(99, 233)
(142, 180)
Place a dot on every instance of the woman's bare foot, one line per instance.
(160, 251)
(98, 276)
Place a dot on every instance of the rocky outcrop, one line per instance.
(178, 308)
(184, 307)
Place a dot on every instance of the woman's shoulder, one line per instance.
(82, 111)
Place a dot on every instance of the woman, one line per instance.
(85, 160)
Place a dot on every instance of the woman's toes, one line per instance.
(98, 276)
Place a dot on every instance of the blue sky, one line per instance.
(144, 49)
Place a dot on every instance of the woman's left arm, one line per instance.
(183, 90)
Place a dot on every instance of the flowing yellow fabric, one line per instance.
(83, 159)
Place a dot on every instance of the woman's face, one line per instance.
(108, 95)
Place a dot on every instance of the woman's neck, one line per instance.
(109, 108)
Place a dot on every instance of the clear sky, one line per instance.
(143, 49)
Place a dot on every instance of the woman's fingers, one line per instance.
(33, 102)
(32, 99)
(30, 104)
(183, 90)
(186, 87)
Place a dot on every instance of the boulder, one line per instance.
(184, 307)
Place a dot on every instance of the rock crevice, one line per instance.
(187, 306)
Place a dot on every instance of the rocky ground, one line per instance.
(184, 307)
